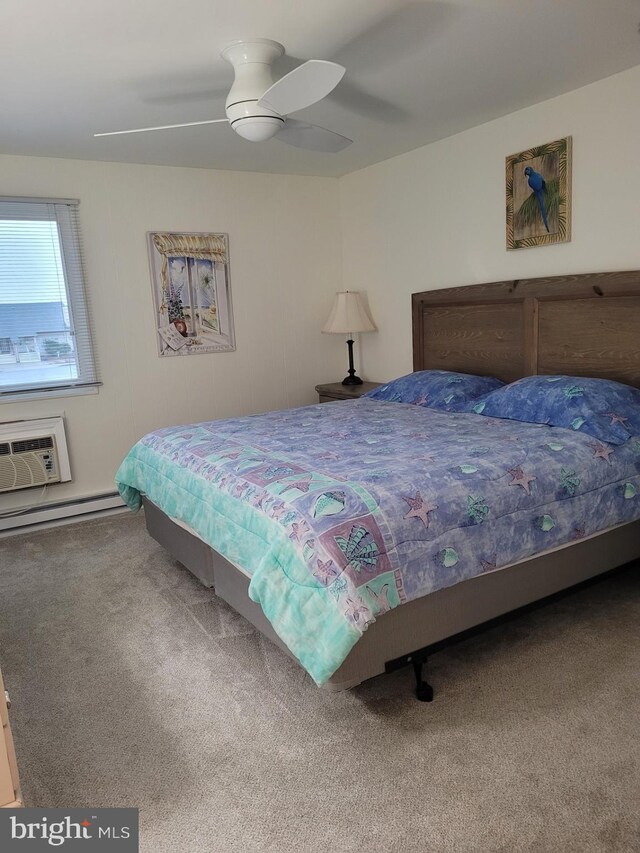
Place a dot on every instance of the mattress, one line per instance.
(340, 512)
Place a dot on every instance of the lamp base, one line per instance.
(352, 380)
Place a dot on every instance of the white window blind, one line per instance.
(45, 328)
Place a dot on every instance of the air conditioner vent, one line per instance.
(28, 444)
(33, 453)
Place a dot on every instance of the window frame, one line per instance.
(64, 213)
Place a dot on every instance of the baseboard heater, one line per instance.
(56, 512)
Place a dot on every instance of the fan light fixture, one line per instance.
(348, 316)
(257, 129)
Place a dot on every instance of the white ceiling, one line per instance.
(417, 71)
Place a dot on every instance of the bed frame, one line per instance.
(581, 325)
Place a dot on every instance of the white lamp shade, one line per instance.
(349, 314)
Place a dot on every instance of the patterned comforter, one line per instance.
(342, 511)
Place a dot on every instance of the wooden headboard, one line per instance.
(581, 325)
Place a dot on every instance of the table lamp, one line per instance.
(348, 316)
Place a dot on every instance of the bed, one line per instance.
(582, 325)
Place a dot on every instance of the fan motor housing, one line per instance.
(251, 61)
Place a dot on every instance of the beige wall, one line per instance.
(434, 218)
(285, 266)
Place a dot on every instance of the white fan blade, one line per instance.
(162, 127)
(306, 84)
(310, 136)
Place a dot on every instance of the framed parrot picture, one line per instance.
(538, 186)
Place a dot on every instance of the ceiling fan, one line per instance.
(258, 109)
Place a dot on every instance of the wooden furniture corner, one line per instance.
(10, 796)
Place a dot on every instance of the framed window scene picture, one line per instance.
(538, 195)
(191, 292)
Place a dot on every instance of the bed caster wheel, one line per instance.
(424, 692)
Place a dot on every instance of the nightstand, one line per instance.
(337, 391)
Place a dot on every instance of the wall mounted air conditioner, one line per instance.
(33, 453)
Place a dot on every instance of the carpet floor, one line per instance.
(132, 685)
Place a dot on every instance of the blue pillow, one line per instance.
(602, 408)
(436, 389)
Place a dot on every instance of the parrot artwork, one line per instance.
(537, 184)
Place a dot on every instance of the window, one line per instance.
(45, 334)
